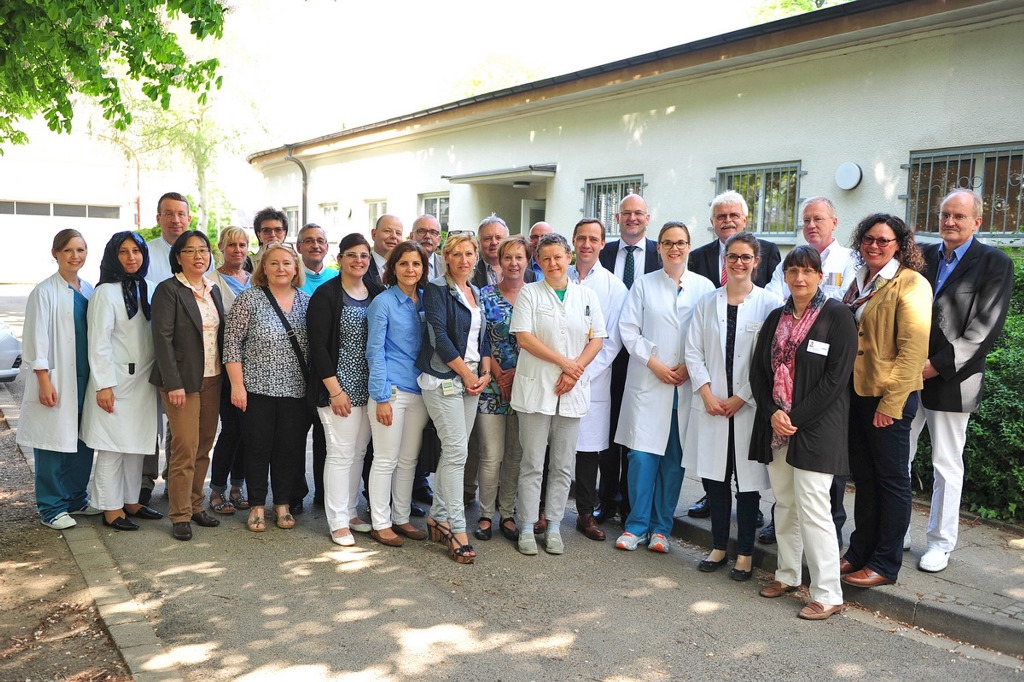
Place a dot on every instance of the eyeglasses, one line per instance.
(744, 258)
(273, 230)
(882, 242)
(423, 232)
(681, 244)
(180, 215)
(194, 252)
(355, 255)
(310, 241)
(471, 233)
(957, 217)
(795, 272)
(728, 216)
(633, 214)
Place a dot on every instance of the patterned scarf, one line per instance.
(133, 286)
(790, 333)
(854, 300)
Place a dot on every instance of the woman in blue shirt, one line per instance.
(396, 410)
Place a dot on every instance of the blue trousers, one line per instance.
(62, 477)
(654, 484)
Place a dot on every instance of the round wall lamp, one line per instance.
(848, 175)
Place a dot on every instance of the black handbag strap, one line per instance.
(289, 332)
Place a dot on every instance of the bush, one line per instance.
(994, 453)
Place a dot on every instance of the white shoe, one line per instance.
(906, 541)
(933, 561)
(344, 540)
(527, 544)
(87, 510)
(359, 526)
(60, 522)
(553, 544)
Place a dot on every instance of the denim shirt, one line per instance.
(447, 330)
(395, 336)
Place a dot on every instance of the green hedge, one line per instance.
(994, 454)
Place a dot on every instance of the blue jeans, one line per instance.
(62, 477)
(654, 484)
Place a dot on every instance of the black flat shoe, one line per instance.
(741, 576)
(204, 519)
(182, 530)
(700, 510)
(483, 533)
(145, 512)
(417, 511)
(121, 523)
(509, 533)
(706, 566)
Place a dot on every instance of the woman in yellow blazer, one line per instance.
(892, 304)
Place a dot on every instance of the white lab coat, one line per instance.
(116, 343)
(565, 326)
(611, 292)
(837, 264)
(707, 437)
(654, 323)
(49, 343)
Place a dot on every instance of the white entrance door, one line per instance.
(531, 211)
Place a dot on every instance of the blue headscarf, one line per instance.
(133, 286)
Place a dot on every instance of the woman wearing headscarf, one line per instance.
(119, 418)
(55, 364)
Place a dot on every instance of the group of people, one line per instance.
(536, 362)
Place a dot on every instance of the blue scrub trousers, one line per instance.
(654, 484)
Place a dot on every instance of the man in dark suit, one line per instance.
(972, 284)
(426, 232)
(728, 216)
(628, 257)
(489, 234)
(385, 235)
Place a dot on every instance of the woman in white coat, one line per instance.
(55, 365)
(719, 347)
(656, 404)
(119, 417)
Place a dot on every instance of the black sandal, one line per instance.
(482, 533)
(460, 553)
(509, 533)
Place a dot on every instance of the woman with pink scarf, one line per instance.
(800, 376)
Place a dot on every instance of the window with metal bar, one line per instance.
(772, 192)
(602, 197)
(993, 172)
(437, 206)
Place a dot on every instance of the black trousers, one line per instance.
(228, 453)
(614, 463)
(275, 441)
(587, 465)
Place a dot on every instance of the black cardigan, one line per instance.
(821, 393)
(323, 318)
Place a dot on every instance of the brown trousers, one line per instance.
(194, 427)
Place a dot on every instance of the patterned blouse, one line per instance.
(353, 369)
(504, 347)
(255, 337)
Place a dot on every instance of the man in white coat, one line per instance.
(588, 239)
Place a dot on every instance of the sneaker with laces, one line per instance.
(630, 542)
(60, 522)
(659, 543)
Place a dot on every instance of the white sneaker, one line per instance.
(87, 510)
(60, 522)
(630, 542)
(933, 561)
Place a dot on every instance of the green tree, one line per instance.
(770, 10)
(52, 49)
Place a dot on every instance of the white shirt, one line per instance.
(639, 259)
(381, 261)
(838, 266)
(160, 261)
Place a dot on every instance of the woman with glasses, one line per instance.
(656, 405)
(799, 377)
(338, 332)
(455, 361)
(188, 333)
(718, 348)
(119, 419)
(265, 351)
(892, 303)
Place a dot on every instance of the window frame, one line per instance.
(600, 202)
(758, 202)
(443, 216)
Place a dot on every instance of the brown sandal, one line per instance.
(256, 523)
(284, 520)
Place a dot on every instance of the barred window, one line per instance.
(772, 192)
(993, 172)
(602, 197)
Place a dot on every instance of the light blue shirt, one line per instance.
(395, 337)
(315, 279)
(945, 269)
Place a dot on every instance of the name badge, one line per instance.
(394, 393)
(817, 347)
(753, 327)
(447, 387)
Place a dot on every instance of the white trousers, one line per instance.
(804, 527)
(453, 417)
(537, 432)
(347, 438)
(396, 450)
(500, 458)
(116, 477)
(948, 431)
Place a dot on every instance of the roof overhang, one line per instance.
(519, 177)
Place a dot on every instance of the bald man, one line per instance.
(386, 235)
(536, 232)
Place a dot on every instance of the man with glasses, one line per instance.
(386, 235)
(313, 248)
(489, 234)
(972, 284)
(728, 216)
(426, 232)
(536, 232)
(628, 257)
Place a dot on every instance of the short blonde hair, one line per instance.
(229, 234)
(259, 278)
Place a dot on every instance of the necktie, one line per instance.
(725, 275)
(629, 272)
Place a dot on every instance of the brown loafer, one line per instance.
(541, 526)
(588, 526)
(775, 589)
(390, 542)
(411, 532)
(865, 577)
(818, 611)
(845, 567)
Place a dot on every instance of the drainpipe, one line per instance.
(305, 185)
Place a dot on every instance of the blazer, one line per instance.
(893, 333)
(967, 316)
(372, 272)
(447, 331)
(178, 336)
(821, 395)
(479, 278)
(704, 261)
(323, 318)
(610, 251)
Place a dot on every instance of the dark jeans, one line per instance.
(879, 461)
(228, 457)
(587, 464)
(720, 506)
(614, 464)
(319, 459)
(275, 440)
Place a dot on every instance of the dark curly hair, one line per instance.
(907, 252)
